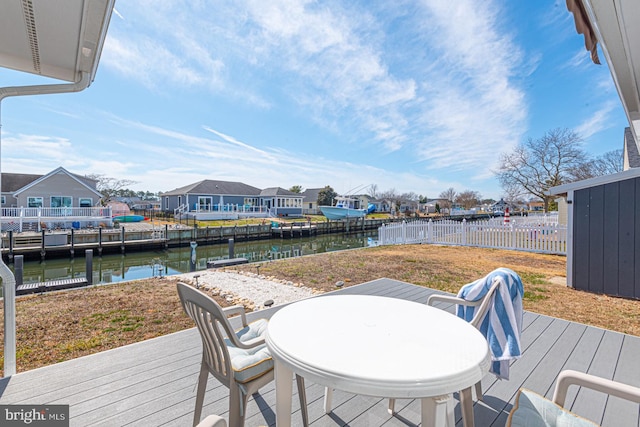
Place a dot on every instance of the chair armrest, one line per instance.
(614, 388)
(252, 343)
(213, 421)
(451, 299)
(236, 310)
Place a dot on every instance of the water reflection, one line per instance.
(140, 265)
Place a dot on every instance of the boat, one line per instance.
(345, 207)
(129, 218)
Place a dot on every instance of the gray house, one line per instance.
(310, 201)
(210, 199)
(59, 188)
(281, 202)
(210, 196)
(58, 199)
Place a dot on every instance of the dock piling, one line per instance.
(88, 255)
(231, 249)
(18, 269)
(72, 249)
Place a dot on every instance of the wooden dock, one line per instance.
(52, 285)
(152, 383)
(294, 229)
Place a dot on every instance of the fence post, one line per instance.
(430, 231)
(513, 236)
(464, 231)
(404, 232)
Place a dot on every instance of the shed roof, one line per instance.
(593, 182)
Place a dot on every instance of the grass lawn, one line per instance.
(65, 325)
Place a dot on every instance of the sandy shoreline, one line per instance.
(249, 289)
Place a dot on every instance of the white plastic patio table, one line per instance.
(377, 346)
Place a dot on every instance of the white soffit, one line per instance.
(53, 38)
(617, 25)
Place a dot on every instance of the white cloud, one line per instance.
(600, 120)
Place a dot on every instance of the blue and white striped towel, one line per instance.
(503, 323)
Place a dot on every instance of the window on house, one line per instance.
(4, 200)
(204, 203)
(85, 202)
(61, 202)
(166, 203)
(34, 202)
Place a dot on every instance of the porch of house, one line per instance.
(152, 383)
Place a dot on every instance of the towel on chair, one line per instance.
(503, 323)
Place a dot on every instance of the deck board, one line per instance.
(152, 383)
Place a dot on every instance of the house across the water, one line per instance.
(58, 199)
(211, 199)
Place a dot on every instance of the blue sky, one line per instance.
(416, 96)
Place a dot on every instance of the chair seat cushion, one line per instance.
(252, 363)
(532, 410)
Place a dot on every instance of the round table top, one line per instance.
(378, 346)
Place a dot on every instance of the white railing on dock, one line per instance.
(530, 237)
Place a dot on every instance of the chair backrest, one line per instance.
(214, 327)
(483, 304)
(481, 312)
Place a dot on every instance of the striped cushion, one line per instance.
(252, 363)
(533, 410)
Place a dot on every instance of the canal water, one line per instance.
(139, 265)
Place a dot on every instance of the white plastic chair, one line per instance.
(531, 409)
(483, 306)
(238, 359)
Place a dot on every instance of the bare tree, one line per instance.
(110, 187)
(468, 199)
(373, 191)
(450, 196)
(394, 198)
(605, 164)
(537, 165)
(610, 162)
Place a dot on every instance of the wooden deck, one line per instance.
(153, 383)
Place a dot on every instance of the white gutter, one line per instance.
(7, 277)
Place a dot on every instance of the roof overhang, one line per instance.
(60, 39)
(616, 25)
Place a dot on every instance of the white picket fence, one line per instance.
(530, 237)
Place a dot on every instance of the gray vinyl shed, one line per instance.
(603, 221)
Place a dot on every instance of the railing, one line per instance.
(550, 238)
(229, 207)
(57, 212)
(36, 219)
(180, 210)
